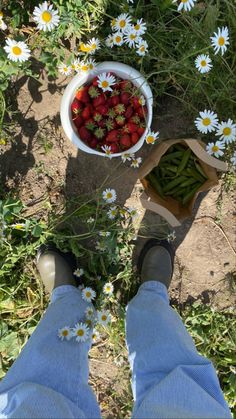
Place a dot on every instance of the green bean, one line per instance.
(171, 156)
(196, 175)
(187, 182)
(199, 169)
(155, 184)
(174, 183)
(179, 147)
(190, 194)
(184, 160)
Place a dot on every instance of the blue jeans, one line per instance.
(169, 378)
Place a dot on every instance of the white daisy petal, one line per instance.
(16, 50)
(207, 122)
(104, 317)
(140, 27)
(127, 157)
(108, 288)
(216, 148)
(46, 17)
(105, 81)
(151, 137)
(95, 336)
(65, 69)
(136, 162)
(141, 47)
(79, 272)
(118, 39)
(65, 333)
(220, 40)
(203, 63)
(233, 159)
(109, 195)
(112, 213)
(94, 44)
(107, 150)
(122, 22)
(88, 294)
(109, 41)
(185, 5)
(131, 37)
(227, 131)
(81, 332)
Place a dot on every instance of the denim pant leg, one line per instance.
(169, 378)
(50, 362)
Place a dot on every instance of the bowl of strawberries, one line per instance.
(107, 111)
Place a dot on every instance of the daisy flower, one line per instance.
(142, 100)
(81, 287)
(227, 131)
(216, 148)
(108, 288)
(94, 44)
(65, 333)
(109, 195)
(65, 69)
(207, 122)
(118, 39)
(142, 47)
(87, 66)
(133, 212)
(220, 40)
(109, 41)
(171, 237)
(89, 313)
(112, 213)
(113, 24)
(90, 220)
(127, 157)
(18, 226)
(16, 51)
(100, 247)
(3, 25)
(233, 159)
(46, 17)
(88, 294)
(122, 22)
(151, 137)
(95, 336)
(79, 272)
(131, 37)
(81, 332)
(140, 27)
(107, 150)
(203, 63)
(185, 4)
(104, 233)
(105, 81)
(76, 65)
(104, 317)
(136, 162)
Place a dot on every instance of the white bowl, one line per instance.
(124, 72)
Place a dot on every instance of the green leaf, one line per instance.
(37, 231)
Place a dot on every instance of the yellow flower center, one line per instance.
(122, 23)
(80, 332)
(142, 48)
(65, 333)
(184, 1)
(109, 194)
(150, 139)
(206, 121)
(113, 22)
(46, 16)
(93, 46)
(118, 38)
(84, 48)
(65, 69)
(89, 322)
(105, 84)
(1, 15)
(84, 68)
(108, 289)
(19, 227)
(227, 131)
(16, 50)
(104, 317)
(88, 294)
(215, 148)
(221, 41)
(203, 63)
(91, 66)
(132, 37)
(137, 27)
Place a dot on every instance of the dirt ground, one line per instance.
(44, 166)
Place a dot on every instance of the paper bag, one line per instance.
(171, 209)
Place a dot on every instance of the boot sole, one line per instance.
(153, 243)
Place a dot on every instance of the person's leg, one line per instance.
(48, 361)
(169, 377)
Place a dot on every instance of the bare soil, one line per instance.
(43, 166)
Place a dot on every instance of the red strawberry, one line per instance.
(125, 98)
(120, 109)
(93, 142)
(111, 124)
(140, 130)
(112, 136)
(142, 111)
(102, 109)
(131, 127)
(129, 112)
(76, 107)
(85, 134)
(125, 141)
(134, 137)
(102, 123)
(120, 120)
(125, 85)
(97, 116)
(78, 121)
(135, 102)
(100, 100)
(114, 100)
(82, 94)
(90, 124)
(87, 112)
(114, 148)
(95, 81)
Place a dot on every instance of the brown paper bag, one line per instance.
(171, 209)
